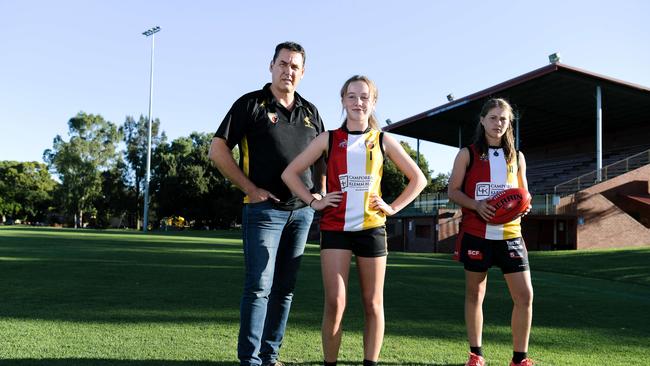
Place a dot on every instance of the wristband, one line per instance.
(312, 201)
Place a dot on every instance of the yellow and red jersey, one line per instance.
(487, 175)
(354, 166)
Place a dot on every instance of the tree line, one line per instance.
(97, 177)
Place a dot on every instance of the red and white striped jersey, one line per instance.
(355, 164)
(486, 176)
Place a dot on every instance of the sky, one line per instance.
(58, 58)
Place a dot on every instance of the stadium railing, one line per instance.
(607, 172)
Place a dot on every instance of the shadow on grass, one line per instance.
(108, 362)
(350, 363)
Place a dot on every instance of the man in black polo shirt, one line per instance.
(271, 126)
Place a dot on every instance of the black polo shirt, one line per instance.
(269, 138)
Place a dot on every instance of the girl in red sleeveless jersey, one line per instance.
(481, 170)
(353, 212)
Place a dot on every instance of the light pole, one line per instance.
(149, 32)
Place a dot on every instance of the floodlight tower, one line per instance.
(149, 32)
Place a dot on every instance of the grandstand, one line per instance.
(586, 138)
(552, 165)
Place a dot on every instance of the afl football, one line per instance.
(510, 204)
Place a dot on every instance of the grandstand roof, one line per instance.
(556, 102)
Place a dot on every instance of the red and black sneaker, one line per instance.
(475, 360)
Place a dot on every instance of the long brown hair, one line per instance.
(372, 120)
(508, 139)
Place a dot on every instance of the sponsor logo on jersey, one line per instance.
(482, 190)
(485, 190)
(355, 183)
(343, 144)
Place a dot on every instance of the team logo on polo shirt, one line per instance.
(273, 117)
(370, 144)
(343, 144)
(308, 123)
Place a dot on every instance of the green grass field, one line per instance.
(123, 298)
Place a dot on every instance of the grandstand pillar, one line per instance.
(417, 156)
(517, 130)
(599, 134)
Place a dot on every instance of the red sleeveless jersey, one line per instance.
(486, 176)
(355, 164)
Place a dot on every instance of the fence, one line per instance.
(428, 204)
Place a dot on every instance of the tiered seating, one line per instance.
(543, 175)
(544, 171)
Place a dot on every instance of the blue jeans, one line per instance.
(274, 242)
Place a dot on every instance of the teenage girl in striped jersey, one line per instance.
(481, 170)
(354, 214)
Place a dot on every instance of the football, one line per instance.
(510, 204)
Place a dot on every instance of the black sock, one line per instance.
(325, 363)
(519, 356)
(369, 363)
(476, 350)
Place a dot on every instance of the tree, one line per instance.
(439, 183)
(135, 135)
(79, 161)
(116, 198)
(25, 190)
(393, 181)
(186, 184)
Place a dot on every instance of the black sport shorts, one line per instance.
(478, 254)
(364, 243)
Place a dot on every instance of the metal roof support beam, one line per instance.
(599, 134)
(460, 137)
